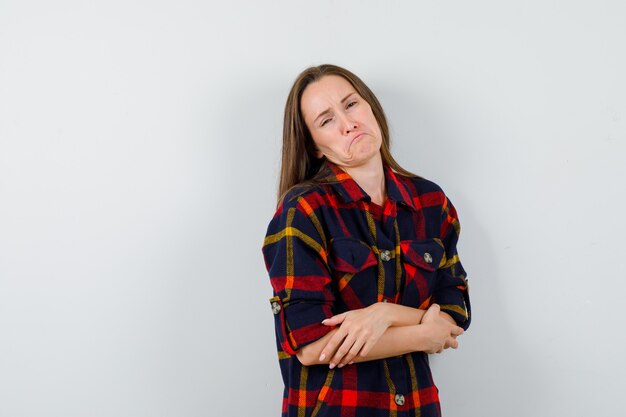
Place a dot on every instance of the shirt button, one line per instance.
(428, 258)
(399, 399)
(275, 307)
(385, 255)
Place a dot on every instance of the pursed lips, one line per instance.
(356, 138)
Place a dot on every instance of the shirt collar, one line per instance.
(350, 191)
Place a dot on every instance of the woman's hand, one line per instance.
(438, 333)
(359, 330)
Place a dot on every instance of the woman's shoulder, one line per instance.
(419, 185)
(307, 191)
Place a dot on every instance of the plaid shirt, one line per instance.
(329, 249)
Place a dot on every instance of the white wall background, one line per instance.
(139, 145)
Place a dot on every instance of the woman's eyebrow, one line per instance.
(328, 109)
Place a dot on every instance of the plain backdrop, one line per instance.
(139, 151)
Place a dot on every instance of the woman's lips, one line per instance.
(356, 138)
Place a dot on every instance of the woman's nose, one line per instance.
(348, 124)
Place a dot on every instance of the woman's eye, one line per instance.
(352, 103)
(324, 122)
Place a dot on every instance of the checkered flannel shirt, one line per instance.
(328, 250)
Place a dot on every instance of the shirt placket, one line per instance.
(385, 241)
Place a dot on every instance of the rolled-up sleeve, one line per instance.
(296, 259)
(451, 290)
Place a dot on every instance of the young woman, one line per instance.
(362, 259)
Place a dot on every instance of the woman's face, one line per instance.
(341, 122)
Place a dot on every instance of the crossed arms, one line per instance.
(380, 331)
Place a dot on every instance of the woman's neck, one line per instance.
(371, 178)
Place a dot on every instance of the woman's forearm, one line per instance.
(400, 315)
(401, 334)
(395, 341)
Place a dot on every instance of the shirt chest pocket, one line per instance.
(421, 260)
(352, 263)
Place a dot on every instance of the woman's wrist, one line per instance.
(399, 315)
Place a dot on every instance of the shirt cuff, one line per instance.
(299, 323)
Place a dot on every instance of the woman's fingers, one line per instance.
(354, 350)
(367, 347)
(332, 344)
(451, 343)
(442, 332)
(357, 328)
(342, 351)
(432, 312)
(457, 331)
(454, 333)
(334, 320)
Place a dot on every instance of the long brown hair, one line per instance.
(299, 163)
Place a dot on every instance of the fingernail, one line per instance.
(322, 356)
(340, 365)
(331, 366)
(324, 321)
(351, 363)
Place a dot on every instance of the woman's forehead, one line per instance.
(328, 90)
(329, 86)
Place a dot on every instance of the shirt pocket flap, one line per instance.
(424, 254)
(350, 255)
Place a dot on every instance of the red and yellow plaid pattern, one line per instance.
(329, 249)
